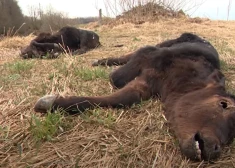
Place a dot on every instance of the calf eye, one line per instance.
(224, 104)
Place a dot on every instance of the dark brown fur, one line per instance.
(184, 73)
(67, 39)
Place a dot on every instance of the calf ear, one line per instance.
(216, 78)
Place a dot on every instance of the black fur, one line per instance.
(68, 39)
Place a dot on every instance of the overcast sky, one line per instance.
(213, 9)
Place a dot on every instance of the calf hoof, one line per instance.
(56, 55)
(45, 103)
(95, 63)
(24, 56)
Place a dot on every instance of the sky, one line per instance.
(212, 9)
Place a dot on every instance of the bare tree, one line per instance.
(48, 19)
(11, 17)
(229, 8)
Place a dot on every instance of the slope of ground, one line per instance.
(134, 137)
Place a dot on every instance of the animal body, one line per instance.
(184, 73)
(67, 39)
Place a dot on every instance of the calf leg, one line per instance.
(46, 46)
(134, 92)
(80, 51)
(140, 60)
(114, 61)
(124, 74)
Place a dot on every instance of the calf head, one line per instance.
(38, 50)
(40, 47)
(203, 122)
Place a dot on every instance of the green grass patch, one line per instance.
(19, 67)
(61, 67)
(45, 129)
(99, 116)
(136, 39)
(4, 132)
(88, 73)
(40, 89)
(7, 80)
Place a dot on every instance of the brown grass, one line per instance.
(135, 137)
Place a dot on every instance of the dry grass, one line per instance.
(135, 137)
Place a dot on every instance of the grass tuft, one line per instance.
(47, 128)
(100, 117)
(19, 67)
(4, 132)
(88, 73)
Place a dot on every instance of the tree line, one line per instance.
(12, 20)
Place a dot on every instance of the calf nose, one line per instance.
(207, 147)
(217, 148)
(212, 153)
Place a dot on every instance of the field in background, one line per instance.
(135, 137)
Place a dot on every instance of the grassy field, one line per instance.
(135, 137)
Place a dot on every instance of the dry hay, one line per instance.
(149, 12)
(134, 137)
(10, 47)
